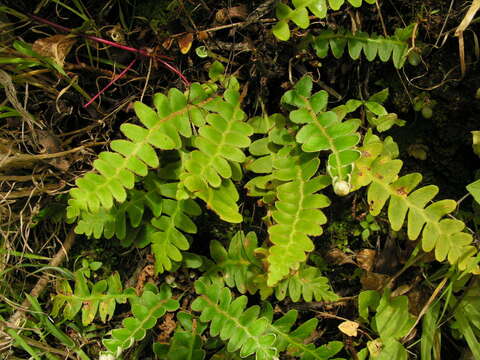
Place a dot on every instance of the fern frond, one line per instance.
(297, 213)
(146, 310)
(308, 283)
(379, 171)
(394, 47)
(161, 129)
(295, 341)
(253, 332)
(166, 229)
(101, 298)
(243, 329)
(324, 130)
(109, 222)
(238, 265)
(299, 14)
(167, 239)
(209, 169)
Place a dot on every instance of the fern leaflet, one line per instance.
(308, 283)
(243, 329)
(300, 16)
(379, 171)
(324, 130)
(297, 212)
(208, 171)
(146, 310)
(238, 265)
(295, 341)
(102, 298)
(395, 47)
(109, 222)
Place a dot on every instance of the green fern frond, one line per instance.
(379, 171)
(325, 130)
(166, 229)
(253, 332)
(238, 265)
(101, 298)
(209, 170)
(297, 213)
(161, 129)
(394, 47)
(243, 329)
(295, 342)
(308, 283)
(263, 153)
(167, 239)
(146, 310)
(109, 222)
(299, 13)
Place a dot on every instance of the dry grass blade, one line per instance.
(11, 94)
(461, 28)
(40, 286)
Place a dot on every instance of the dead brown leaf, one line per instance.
(202, 35)
(167, 326)
(51, 144)
(373, 281)
(336, 256)
(185, 43)
(56, 47)
(146, 273)
(366, 259)
(349, 328)
(223, 16)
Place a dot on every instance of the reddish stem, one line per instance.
(100, 40)
(110, 83)
(119, 46)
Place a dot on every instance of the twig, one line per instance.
(24, 160)
(30, 192)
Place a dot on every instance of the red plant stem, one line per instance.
(110, 83)
(119, 46)
(100, 40)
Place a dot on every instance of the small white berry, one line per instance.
(341, 188)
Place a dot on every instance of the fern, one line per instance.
(324, 130)
(109, 222)
(241, 269)
(168, 240)
(395, 47)
(243, 329)
(208, 170)
(294, 342)
(161, 129)
(297, 213)
(146, 310)
(252, 332)
(238, 265)
(101, 298)
(308, 283)
(379, 171)
(300, 16)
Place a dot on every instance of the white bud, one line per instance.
(341, 188)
